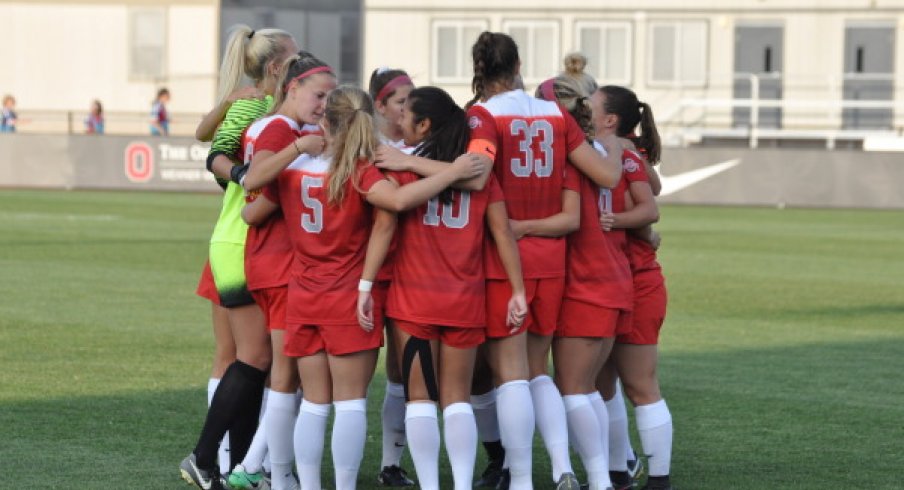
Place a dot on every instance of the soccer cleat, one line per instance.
(568, 482)
(240, 479)
(393, 476)
(621, 480)
(635, 468)
(658, 483)
(203, 479)
(490, 476)
(505, 480)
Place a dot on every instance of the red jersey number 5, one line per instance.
(528, 133)
(312, 221)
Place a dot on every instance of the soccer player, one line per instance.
(236, 403)
(530, 143)
(597, 298)
(276, 141)
(617, 110)
(337, 239)
(437, 295)
(389, 89)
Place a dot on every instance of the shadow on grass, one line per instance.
(793, 418)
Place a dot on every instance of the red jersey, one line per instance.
(598, 269)
(329, 241)
(439, 274)
(268, 252)
(386, 270)
(531, 139)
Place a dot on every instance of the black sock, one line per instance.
(236, 394)
(243, 428)
(658, 481)
(495, 451)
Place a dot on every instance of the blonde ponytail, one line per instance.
(350, 115)
(248, 52)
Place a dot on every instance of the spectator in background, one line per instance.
(574, 68)
(94, 123)
(8, 117)
(159, 117)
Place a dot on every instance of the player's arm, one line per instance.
(387, 195)
(266, 165)
(257, 211)
(211, 121)
(559, 224)
(389, 158)
(228, 139)
(653, 176)
(644, 212)
(604, 171)
(384, 227)
(498, 224)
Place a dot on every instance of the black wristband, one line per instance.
(238, 172)
(211, 156)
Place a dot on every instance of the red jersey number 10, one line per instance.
(449, 219)
(312, 221)
(528, 133)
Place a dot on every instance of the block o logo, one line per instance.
(139, 162)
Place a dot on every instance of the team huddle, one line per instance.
(471, 243)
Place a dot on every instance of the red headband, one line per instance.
(312, 71)
(392, 85)
(547, 90)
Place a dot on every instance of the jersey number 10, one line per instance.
(528, 133)
(449, 219)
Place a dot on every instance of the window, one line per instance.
(678, 53)
(608, 48)
(452, 41)
(538, 46)
(147, 43)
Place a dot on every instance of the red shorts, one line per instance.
(650, 299)
(579, 319)
(458, 337)
(273, 303)
(379, 293)
(207, 289)
(336, 340)
(544, 299)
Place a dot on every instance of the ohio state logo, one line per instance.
(139, 162)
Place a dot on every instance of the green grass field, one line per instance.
(781, 357)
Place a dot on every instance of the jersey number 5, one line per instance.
(311, 222)
(528, 133)
(448, 219)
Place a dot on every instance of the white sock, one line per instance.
(254, 458)
(349, 434)
(393, 424)
(654, 422)
(423, 442)
(619, 441)
(280, 420)
(587, 438)
(265, 464)
(485, 415)
(460, 434)
(310, 431)
(223, 453)
(515, 412)
(550, 413)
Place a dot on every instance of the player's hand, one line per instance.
(518, 228)
(468, 166)
(655, 239)
(250, 92)
(391, 158)
(612, 144)
(365, 311)
(312, 144)
(517, 311)
(607, 221)
(627, 144)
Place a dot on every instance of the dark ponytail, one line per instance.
(449, 131)
(495, 57)
(623, 103)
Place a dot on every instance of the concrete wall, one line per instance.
(724, 176)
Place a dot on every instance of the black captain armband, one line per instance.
(237, 174)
